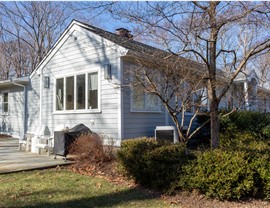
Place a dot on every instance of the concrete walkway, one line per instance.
(13, 160)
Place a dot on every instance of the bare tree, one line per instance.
(262, 64)
(207, 32)
(33, 27)
(175, 81)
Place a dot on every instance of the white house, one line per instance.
(81, 81)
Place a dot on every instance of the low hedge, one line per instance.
(266, 131)
(246, 141)
(220, 174)
(151, 163)
(239, 169)
(242, 121)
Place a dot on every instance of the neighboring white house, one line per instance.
(81, 81)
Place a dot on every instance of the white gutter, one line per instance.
(24, 105)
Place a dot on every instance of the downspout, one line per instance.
(24, 105)
(40, 96)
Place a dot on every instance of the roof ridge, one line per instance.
(123, 40)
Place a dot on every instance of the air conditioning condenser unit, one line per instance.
(166, 133)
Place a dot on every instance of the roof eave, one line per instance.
(10, 83)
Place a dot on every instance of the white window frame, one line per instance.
(86, 109)
(3, 103)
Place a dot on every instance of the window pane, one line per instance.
(138, 98)
(5, 97)
(5, 107)
(70, 93)
(59, 94)
(5, 103)
(80, 92)
(93, 90)
(151, 102)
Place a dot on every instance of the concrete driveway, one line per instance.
(13, 160)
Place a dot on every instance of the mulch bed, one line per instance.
(106, 170)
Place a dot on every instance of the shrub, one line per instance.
(131, 155)
(151, 163)
(245, 141)
(239, 169)
(88, 147)
(245, 121)
(220, 174)
(266, 131)
(238, 140)
(260, 163)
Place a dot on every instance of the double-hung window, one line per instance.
(78, 92)
(144, 101)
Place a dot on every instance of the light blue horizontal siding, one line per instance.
(138, 124)
(33, 98)
(12, 122)
(77, 56)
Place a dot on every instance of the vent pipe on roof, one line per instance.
(123, 32)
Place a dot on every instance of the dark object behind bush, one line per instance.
(63, 139)
(202, 137)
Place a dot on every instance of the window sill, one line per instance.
(76, 112)
(141, 111)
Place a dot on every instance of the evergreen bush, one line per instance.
(151, 163)
(240, 168)
(220, 174)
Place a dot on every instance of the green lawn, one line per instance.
(62, 188)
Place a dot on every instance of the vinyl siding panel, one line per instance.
(138, 124)
(75, 57)
(12, 122)
(33, 102)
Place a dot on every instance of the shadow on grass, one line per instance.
(106, 200)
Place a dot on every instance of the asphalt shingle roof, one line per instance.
(125, 42)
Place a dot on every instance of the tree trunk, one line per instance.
(214, 124)
(212, 84)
